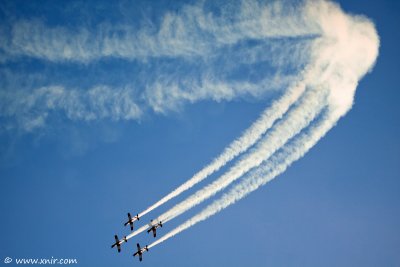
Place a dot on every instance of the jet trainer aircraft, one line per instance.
(119, 242)
(131, 220)
(154, 227)
(140, 251)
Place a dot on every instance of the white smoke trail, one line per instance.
(248, 138)
(346, 55)
(191, 32)
(205, 49)
(269, 170)
(296, 119)
(337, 54)
(138, 231)
(347, 49)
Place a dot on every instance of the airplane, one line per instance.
(154, 227)
(131, 220)
(119, 242)
(140, 251)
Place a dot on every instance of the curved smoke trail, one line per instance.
(297, 118)
(262, 175)
(345, 55)
(248, 138)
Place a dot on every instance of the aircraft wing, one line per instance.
(154, 232)
(129, 220)
(138, 246)
(116, 243)
(119, 247)
(140, 257)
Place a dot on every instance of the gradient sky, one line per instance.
(66, 186)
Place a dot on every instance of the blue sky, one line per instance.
(69, 173)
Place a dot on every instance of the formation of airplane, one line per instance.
(154, 227)
(131, 220)
(119, 242)
(140, 251)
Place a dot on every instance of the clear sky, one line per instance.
(121, 133)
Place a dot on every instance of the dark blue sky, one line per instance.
(65, 189)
